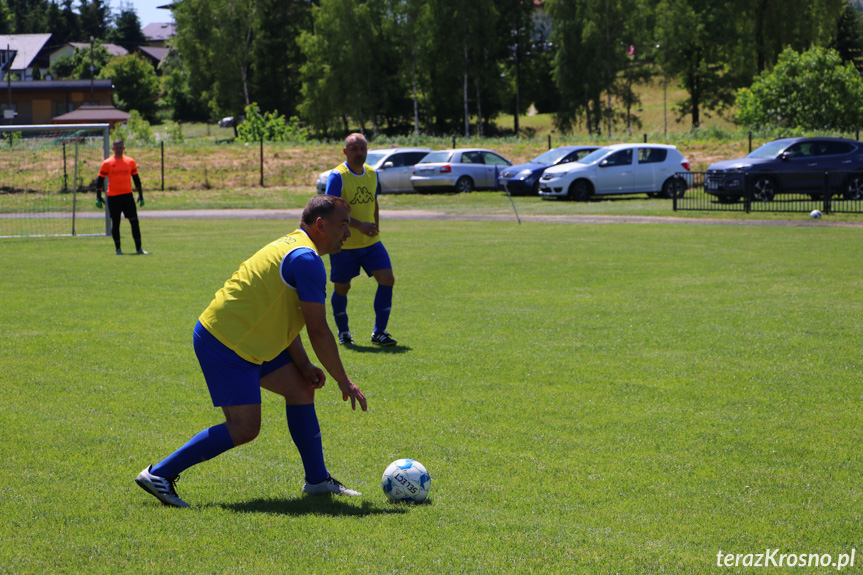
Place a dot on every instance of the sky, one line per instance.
(146, 9)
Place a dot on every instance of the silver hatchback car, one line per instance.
(394, 167)
(459, 170)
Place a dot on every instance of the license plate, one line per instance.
(712, 186)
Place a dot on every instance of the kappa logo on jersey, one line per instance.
(363, 196)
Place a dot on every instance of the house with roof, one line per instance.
(41, 101)
(154, 55)
(158, 33)
(72, 47)
(29, 54)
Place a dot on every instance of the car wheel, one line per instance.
(580, 191)
(763, 189)
(854, 188)
(673, 187)
(464, 184)
(535, 190)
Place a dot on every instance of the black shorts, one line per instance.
(123, 204)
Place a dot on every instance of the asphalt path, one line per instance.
(294, 214)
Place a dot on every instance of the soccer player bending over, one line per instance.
(248, 338)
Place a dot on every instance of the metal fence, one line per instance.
(799, 192)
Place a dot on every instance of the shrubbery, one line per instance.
(270, 126)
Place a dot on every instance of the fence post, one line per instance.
(645, 138)
(747, 192)
(750, 143)
(163, 165)
(453, 142)
(827, 195)
(549, 141)
(262, 162)
(65, 176)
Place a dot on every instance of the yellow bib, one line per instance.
(255, 313)
(359, 192)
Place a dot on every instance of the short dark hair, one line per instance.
(322, 206)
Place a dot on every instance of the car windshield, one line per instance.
(374, 158)
(769, 150)
(594, 156)
(436, 158)
(550, 157)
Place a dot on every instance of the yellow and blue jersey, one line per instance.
(360, 191)
(257, 312)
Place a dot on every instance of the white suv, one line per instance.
(619, 169)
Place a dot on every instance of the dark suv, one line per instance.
(790, 165)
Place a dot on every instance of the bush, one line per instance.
(810, 91)
(270, 127)
(135, 131)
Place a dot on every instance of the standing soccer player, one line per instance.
(248, 338)
(357, 183)
(120, 170)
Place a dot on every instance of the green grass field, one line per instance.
(588, 399)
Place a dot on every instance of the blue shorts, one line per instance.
(345, 265)
(231, 379)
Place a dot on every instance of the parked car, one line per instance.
(523, 179)
(393, 165)
(460, 170)
(619, 169)
(790, 165)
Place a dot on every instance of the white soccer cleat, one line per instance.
(331, 486)
(160, 487)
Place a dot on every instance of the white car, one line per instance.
(394, 167)
(651, 169)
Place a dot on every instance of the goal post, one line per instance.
(47, 179)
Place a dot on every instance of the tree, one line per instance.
(77, 66)
(136, 86)
(593, 39)
(342, 70)
(814, 90)
(215, 40)
(696, 38)
(94, 18)
(126, 29)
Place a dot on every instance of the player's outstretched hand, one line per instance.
(314, 376)
(350, 390)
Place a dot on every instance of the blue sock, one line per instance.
(206, 445)
(340, 311)
(383, 305)
(306, 433)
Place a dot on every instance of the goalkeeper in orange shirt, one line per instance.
(120, 171)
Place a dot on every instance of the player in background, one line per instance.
(357, 183)
(248, 338)
(120, 171)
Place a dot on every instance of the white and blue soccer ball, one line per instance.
(406, 480)
(815, 214)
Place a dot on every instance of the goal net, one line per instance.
(48, 178)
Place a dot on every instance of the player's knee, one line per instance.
(342, 289)
(244, 432)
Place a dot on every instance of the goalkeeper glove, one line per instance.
(141, 201)
(99, 202)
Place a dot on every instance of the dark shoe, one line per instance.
(345, 338)
(383, 338)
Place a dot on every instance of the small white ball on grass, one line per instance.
(815, 214)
